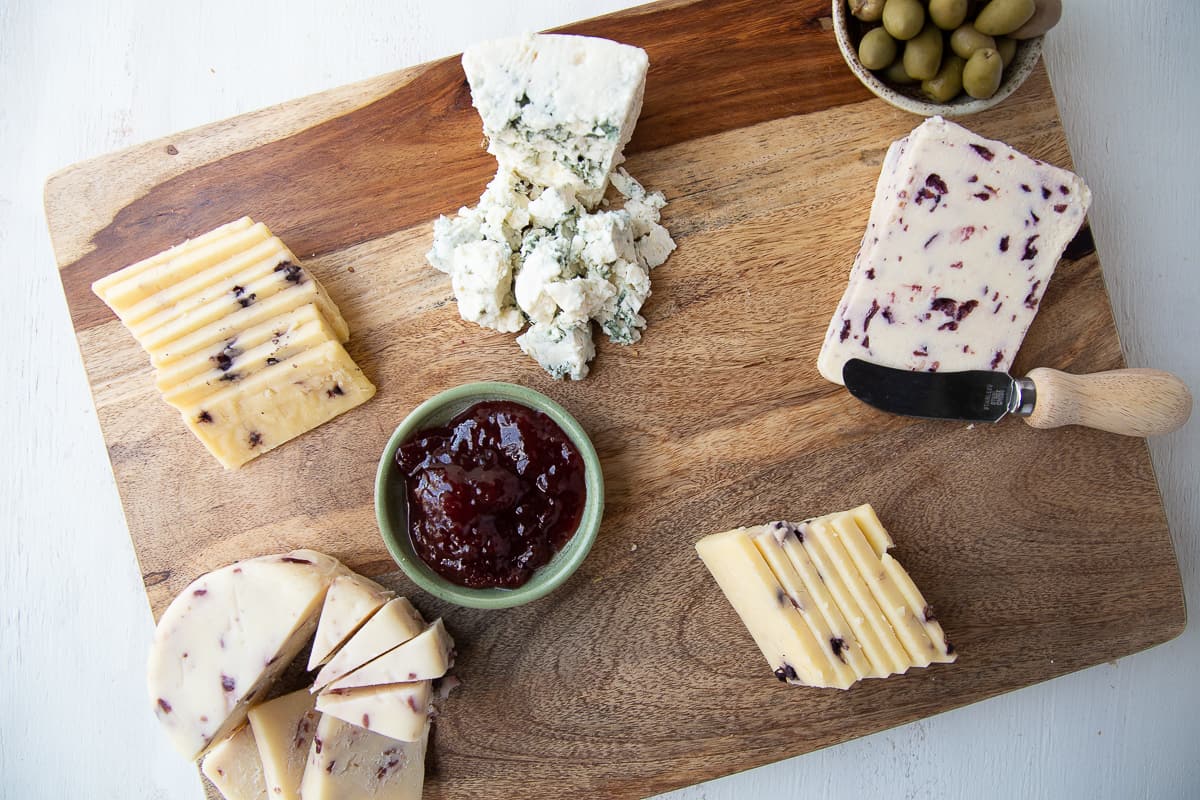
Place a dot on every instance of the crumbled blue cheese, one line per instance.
(534, 249)
(558, 110)
(564, 352)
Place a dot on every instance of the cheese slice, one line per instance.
(844, 661)
(278, 404)
(234, 768)
(347, 762)
(103, 286)
(124, 295)
(834, 575)
(853, 596)
(284, 729)
(557, 109)
(773, 620)
(223, 640)
(182, 340)
(175, 299)
(393, 625)
(279, 272)
(427, 655)
(230, 350)
(963, 237)
(398, 711)
(351, 601)
(243, 365)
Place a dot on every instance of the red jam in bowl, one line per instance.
(493, 495)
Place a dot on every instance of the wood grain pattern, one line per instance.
(1044, 552)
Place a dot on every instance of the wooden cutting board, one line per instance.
(1043, 551)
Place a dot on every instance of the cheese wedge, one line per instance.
(833, 575)
(393, 625)
(347, 762)
(174, 299)
(278, 404)
(223, 640)
(230, 350)
(230, 371)
(103, 287)
(124, 295)
(185, 340)
(351, 601)
(234, 768)
(429, 654)
(284, 729)
(398, 711)
(845, 662)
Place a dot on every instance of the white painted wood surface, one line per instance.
(78, 79)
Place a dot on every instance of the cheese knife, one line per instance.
(1133, 402)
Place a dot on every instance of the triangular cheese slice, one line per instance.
(351, 601)
(428, 655)
(284, 728)
(399, 711)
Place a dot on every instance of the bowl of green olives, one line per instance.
(944, 57)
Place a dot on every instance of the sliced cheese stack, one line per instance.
(246, 343)
(824, 601)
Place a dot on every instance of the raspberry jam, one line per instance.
(493, 495)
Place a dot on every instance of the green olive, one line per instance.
(877, 49)
(966, 40)
(903, 18)
(896, 75)
(982, 73)
(923, 53)
(948, 14)
(1047, 15)
(867, 10)
(1007, 48)
(946, 85)
(1002, 17)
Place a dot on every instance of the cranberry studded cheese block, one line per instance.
(350, 603)
(824, 601)
(391, 626)
(347, 762)
(429, 654)
(963, 236)
(234, 768)
(399, 711)
(230, 319)
(284, 728)
(227, 636)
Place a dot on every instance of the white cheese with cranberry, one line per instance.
(963, 236)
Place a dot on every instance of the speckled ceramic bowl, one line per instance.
(848, 30)
(391, 503)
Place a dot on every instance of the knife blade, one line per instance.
(1134, 402)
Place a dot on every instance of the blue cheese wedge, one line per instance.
(824, 600)
(538, 249)
(558, 110)
(225, 638)
(349, 762)
(963, 236)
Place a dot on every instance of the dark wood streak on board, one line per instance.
(383, 167)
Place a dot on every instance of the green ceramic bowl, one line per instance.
(391, 504)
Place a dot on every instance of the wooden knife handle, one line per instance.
(1133, 402)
